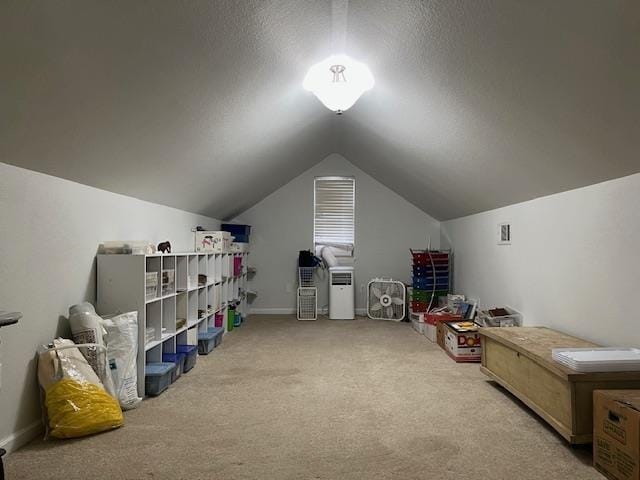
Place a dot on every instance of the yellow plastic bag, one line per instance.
(75, 401)
(77, 409)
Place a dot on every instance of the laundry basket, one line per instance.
(307, 303)
(305, 276)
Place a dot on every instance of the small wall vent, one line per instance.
(504, 234)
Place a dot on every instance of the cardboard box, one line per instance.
(433, 320)
(418, 326)
(462, 341)
(616, 433)
(431, 332)
(441, 334)
(213, 242)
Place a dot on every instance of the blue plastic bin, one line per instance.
(235, 229)
(157, 377)
(209, 340)
(178, 359)
(190, 356)
(238, 238)
(219, 332)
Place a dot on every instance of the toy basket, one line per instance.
(307, 303)
(305, 276)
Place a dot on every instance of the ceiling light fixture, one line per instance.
(338, 81)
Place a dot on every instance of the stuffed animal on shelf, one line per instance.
(164, 247)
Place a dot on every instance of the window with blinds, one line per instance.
(334, 213)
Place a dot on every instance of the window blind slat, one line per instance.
(334, 211)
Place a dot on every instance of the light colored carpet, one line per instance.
(282, 399)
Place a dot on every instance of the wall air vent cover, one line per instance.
(504, 233)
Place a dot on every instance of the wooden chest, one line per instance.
(519, 359)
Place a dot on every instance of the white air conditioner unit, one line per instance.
(341, 293)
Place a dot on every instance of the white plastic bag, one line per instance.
(122, 352)
(86, 327)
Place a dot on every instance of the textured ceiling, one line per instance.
(199, 105)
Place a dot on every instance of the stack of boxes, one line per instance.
(430, 278)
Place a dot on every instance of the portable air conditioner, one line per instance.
(341, 293)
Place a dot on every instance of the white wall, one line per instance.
(574, 262)
(282, 224)
(49, 233)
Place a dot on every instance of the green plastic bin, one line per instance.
(231, 317)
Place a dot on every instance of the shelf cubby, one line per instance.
(192, 312)
(168, 316)
(192, 271)
(182, 309)
(153, 316)
(182, 263)
(154, 354)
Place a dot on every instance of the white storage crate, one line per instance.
(307, 303)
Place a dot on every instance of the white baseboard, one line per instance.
(273, 311)
(292, 311)
(21, 437)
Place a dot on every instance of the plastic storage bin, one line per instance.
(178, 360)
(239, 238)
(237, 321)
(190, 353)
(237, 266)
(236, 229)
(157, 377)
(219, 332)
(424, 257)
(231, 318)
(209, 340)
(218, 319)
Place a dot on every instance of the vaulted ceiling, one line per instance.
(199, 104)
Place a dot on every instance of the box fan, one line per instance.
(386, 299)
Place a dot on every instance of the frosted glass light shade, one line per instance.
(338, 92)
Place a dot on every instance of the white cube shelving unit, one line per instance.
(121, 288)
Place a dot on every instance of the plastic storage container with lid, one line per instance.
(218, 332)
(209, 340)
(190, 356)
(236, 229)
(157, 377)
(178, 359)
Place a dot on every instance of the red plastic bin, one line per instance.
(424, 257)
(419, 306)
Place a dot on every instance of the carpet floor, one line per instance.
(282, 399)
